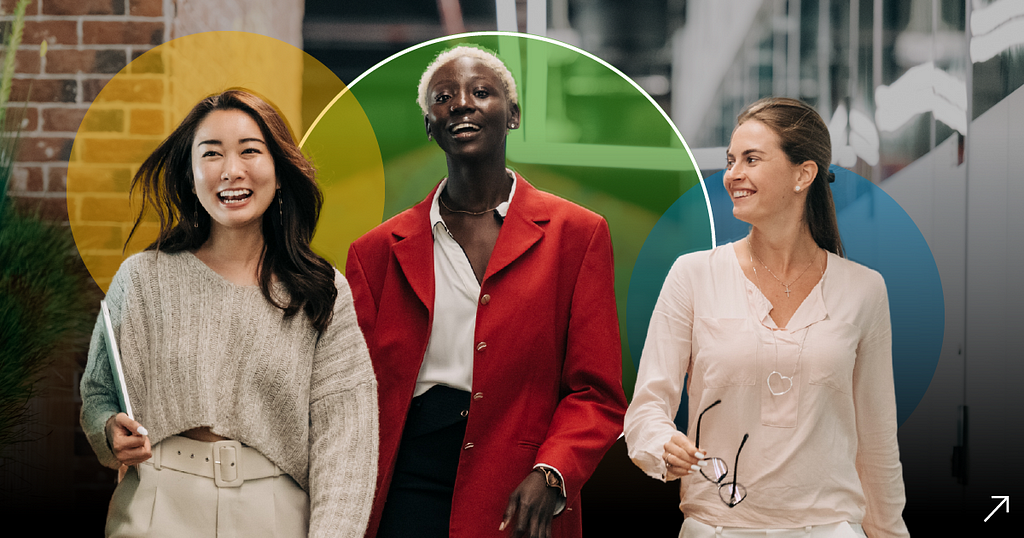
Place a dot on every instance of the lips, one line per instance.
(234, 196)
(463, 129)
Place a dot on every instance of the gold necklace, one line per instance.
(474, 213)
(440, 198)
(754, 254)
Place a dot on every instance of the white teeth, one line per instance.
(741, 194)
(234, 196)
(460, 126)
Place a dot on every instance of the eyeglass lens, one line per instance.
(732, 494)
(715, 470)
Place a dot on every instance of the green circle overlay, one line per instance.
(588, 134)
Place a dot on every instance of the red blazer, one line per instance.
(547, 374)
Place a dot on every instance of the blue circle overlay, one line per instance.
(876, 232)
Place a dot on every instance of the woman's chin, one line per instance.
(741, 214)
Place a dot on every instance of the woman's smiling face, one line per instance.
(235, 179)
(469, 113)
(759, 177)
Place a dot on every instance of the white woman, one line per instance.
(242, 355)
(785, 350)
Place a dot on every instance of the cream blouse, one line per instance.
(825, 451)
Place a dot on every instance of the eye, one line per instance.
(481, 93)
(441, 98)
(251, 150)
(729, 163)
(752, 160)
(210, 153)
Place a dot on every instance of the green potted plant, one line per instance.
(45, 292)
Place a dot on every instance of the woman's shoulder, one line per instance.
(401, 224)
(136, 265)
(561, 208)
(853, 274)
(704, 261)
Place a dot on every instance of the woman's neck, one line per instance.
(783, 247)
(477, 185)
(234, 253)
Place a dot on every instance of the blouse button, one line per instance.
(478, 396)
(468, 446)
(465, 412)
(480, 346)
(485, 299)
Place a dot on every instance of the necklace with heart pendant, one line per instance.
(779, 383)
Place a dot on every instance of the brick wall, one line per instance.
(88, 41)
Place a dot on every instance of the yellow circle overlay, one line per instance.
(143, 103)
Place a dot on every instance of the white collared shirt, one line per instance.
(449, 357)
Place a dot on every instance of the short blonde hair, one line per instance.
(487, 57)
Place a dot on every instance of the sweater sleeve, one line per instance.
(874, 400)
(343, 437)
(659, 384)
(99, 393)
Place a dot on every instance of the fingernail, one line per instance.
(699, 455)
(502, 526)
(694, 467)
(143, 430)
(702, 463)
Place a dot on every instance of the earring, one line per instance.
(797, 189)
(512, 125)
(280, 206)
(195, 215)
(430, 136)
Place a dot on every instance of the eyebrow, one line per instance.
(745, 152)
(240, 141)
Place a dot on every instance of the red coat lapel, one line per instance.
(520, 231)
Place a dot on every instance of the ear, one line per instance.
(426, 124)
(808, 170)
(513, 117)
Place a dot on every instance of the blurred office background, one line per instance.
(922, 97)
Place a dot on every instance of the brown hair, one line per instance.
(166, 182)
(804, 137)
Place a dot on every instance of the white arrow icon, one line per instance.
(1005, 499)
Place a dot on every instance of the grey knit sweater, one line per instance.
(199, 350)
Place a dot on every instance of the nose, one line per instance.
(461, 101)
(233, 168)
(731, 173)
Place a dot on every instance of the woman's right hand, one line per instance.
(129, 445)
(681, 457)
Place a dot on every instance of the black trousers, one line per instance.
(419, 500)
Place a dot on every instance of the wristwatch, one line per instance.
(551, 478)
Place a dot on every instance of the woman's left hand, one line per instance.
(535, 502)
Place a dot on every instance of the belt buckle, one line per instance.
(227, 461)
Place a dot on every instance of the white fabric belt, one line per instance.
(228, 463)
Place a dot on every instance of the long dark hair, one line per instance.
(804, 137)
(166, 182)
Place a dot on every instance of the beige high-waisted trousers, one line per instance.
(166, 502)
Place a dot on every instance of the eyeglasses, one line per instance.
(731, 493)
